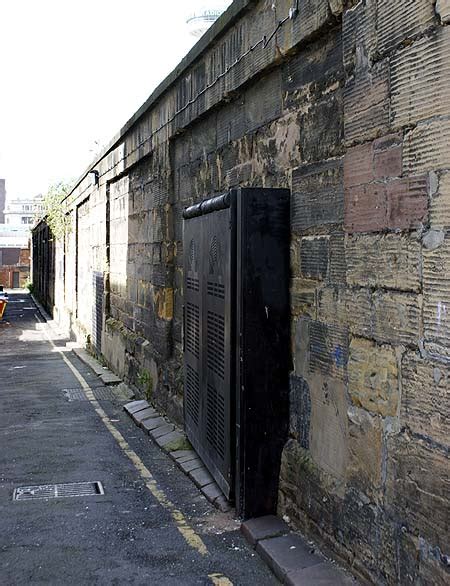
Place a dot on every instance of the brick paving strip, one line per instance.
(164, 433)
(291, 558)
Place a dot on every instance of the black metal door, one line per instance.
(15, 280)
(207, 340)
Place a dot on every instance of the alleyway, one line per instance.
(127, 535)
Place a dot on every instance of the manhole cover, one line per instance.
(55, 491)
(100, 393)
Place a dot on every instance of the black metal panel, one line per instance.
(263, 346)
(237, 340)
(97, 310)
(207, 336)
(217, 271)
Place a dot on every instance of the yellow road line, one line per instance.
(219, 580)
(186, 531)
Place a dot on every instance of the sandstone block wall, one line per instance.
(347, 105)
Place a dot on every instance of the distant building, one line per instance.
(2, 200)
(14, 236)
(14, 255)
(17, 217)
(23, 212)
(14, 267)
(200, 21)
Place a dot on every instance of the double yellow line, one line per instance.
(192, 539)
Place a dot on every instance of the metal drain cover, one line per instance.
(58, 491)
(100, 393)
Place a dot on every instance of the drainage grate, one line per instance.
(54, 491)
(100, 393)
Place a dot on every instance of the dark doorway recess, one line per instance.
(237, 340)
(16, 280)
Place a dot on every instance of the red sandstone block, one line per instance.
(407, 202)
(365, 208)
(358, 165)
(388, 163)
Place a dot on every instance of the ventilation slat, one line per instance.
(215, 421)
(216, 343)
(192, 334)
(192, 397)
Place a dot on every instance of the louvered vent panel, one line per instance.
(193, 329)
(192, 284)
(216, 290)
(216, 343)
(192, 393)
(215, 421)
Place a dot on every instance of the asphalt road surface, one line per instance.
(130, 534)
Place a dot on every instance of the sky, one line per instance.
(72, 72)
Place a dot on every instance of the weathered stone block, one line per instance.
(323, 129)
(300, 410)
(373, 381)
(420, 79)
(263, 101)
(300, 348)
(347, 307)
(440, 204)
(443, 10)
(366, 103)
(407, 202)
(315, 68)
(329, 434)
(304, 491)
(338, 264)
(314, 257)
(391, 261)
(427, 147)
(396, 317)
(328, 348)
(418, 487)
(303, 297)
(230, 122)
(273, 149)
(365, 437)
(402, 20)
(436, 298)
(313, 14)
(384, 315)
(359, 33)
(317, 195)
(425, 407)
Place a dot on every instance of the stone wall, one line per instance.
(347, 105)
